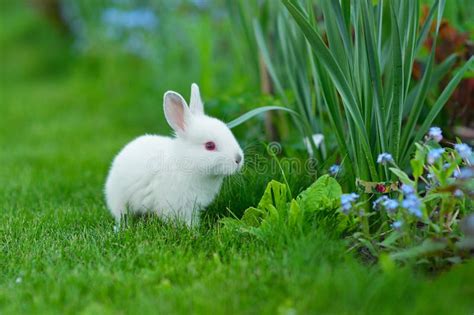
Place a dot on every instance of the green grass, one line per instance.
(62, 118)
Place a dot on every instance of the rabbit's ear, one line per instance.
(195, 105)
(176, 111)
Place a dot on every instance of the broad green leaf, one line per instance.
(418, 162)
(273, 214)
(253, 216)
(295, 215)
(275, 195)
(323, 194)
(402, 176)
(417, 168)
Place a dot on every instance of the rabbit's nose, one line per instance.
(238, 158)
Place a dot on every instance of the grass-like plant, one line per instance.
(267, 31)
(359, 71)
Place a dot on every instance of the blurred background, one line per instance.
(118, 57)
(79, 79)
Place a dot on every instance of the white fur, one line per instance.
(173, 177)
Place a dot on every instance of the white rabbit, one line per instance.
(174, 177)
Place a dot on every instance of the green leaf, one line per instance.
(397, 75)
(427, 247)
(275, 195)
(434, 196)
(375, 77)
(417, 167)
(402, 176)
(386, 263)
(391, 239)
(272, 203)
(295, 215)
(324, 194)
(257, 111)
(264, 51)
(253, 216)
(442, 99)
(368, 245)
(273, 214)
(340, 81)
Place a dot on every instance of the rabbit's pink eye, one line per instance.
(210, 146)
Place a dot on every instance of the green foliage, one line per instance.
(421, 223)
(278, 213)
(323, 195)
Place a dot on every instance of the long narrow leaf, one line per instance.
(338, 77)
(397, 77)
(374, 71)
(257, 111)
(423, 91)
(442, 99)
(266, 57)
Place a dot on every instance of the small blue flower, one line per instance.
(391, 205)
(378, 203)
(456, 173)
(433, 181)
(464, 150)
(413, 205)
(143, 18)
(434, 155)
(386, 203)
(347, 200)
(334, 170)
(435, 133)
(407, 189)
(458, 193)
(202, 4)
(397, 225)
(465, 173)
(384, 158)
(416, 212)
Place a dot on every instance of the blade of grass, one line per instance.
(375, 77)
(438, 73)
(423, 91)
(257, 111)
(266, 57)
(426, 26)
(440, 102)
(397, 77)
(339, 79)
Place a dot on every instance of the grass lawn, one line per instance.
(62, 119)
